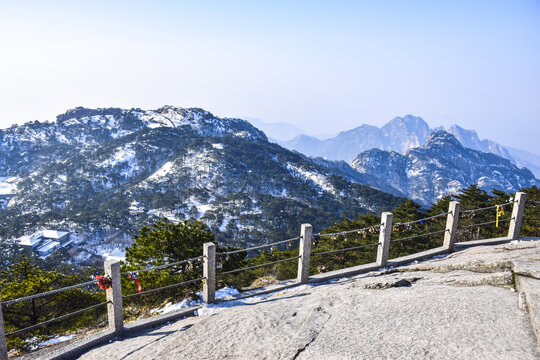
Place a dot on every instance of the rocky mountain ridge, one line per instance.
(521, 158)
(441, 167)
(108, 171)
(401, 134)
(104, 173)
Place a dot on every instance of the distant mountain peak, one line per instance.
(442, 138)
(441, 167)
(399, 134)
(456, 127)
(411, 122)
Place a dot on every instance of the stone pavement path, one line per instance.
(462, 306)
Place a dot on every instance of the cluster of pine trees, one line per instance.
(25, 278)
(165, 242)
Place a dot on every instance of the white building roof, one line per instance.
(29, 240)
(53, 234)
(48, 246)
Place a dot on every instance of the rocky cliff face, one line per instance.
(441, 167)
(118, 168)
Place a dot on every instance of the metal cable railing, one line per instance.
(417, 236)
(35, 296)
(254, 248)
(484, 223)
(226, 253)
(163, 288)
(56, 319)
(422, 220)
(346, 249)
(257, 266)
(485, 208)
(348, 231)
(259, 247)
(164, 265)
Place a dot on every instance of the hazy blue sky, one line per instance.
(324, 66)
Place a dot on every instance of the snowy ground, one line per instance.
(7, 185)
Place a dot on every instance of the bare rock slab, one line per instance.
(433, 322)
(461, 306)
(528, 267)
(529, 298)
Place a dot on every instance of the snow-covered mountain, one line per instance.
(114, 169)
(441, 167)
(401, 134)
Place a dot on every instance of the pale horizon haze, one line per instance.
(321, 66)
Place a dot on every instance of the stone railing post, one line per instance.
(304, 253)
(384, 238)
(209, 273)
(451, 225)
(517, 215)
(115, 310)
(3, 344)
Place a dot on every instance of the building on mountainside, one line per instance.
(45, 241)
(30, 241)
(135, 208)
(47, 247)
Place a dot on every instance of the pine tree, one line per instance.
(473, 197)
(162, 243)
(531, 218)
(166, 242)
(24, 278)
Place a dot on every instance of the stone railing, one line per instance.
(113, 275)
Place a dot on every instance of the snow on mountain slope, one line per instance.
(109, 171)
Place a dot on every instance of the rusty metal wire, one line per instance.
(349, 231)
(421, 235)
(164, 265)
(424, 219)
